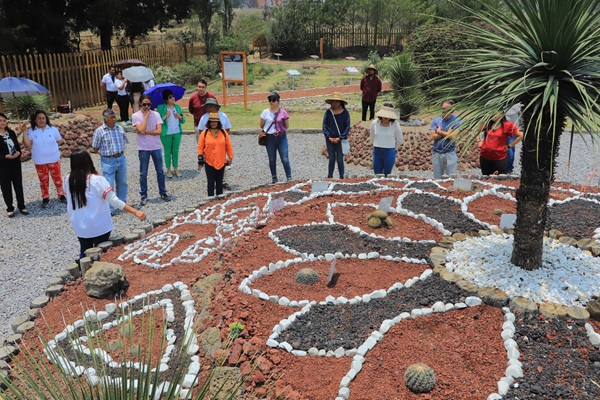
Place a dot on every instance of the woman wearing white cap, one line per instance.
(336, 126)
(386, 135)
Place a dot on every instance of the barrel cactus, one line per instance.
(374, 222)
(419, 378)
(378, 219)
(307, 276)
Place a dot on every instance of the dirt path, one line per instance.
(289, 94)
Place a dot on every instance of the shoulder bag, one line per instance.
(262, 135)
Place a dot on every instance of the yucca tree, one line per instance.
(544, 54)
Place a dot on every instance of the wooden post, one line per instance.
(321, 48)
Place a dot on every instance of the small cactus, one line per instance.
(374, 222)
(307, 276)
(419, 378)
(378, 219)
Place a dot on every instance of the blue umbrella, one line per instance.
(156, 91)
(19, 87)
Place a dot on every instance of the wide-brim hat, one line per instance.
(336, 96)
(211, 102)
(373, 67)
(214, 117)
(387, 112)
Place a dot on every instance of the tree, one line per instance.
(227, 16)
(205, 10)
(544, 55)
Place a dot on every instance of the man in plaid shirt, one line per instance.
(109, 141)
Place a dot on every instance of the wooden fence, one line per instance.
(76, 77)
(347, 37)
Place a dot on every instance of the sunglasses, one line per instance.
(146, 104)
(171, 97)
(272, 100)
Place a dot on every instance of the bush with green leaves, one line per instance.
(25, 105)
(373, 58)
(232, 42)
(288, 36)
(190, 72)
(163, 74)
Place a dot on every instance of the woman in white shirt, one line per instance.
(386, 135)
(43, 139)
(122, 98)
(89, 196)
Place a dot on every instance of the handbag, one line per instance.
(345, 142)
(262, 135)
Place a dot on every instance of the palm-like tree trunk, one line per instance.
(538, 159)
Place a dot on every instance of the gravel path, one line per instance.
(36, 247)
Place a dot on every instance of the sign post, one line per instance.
(233, 65)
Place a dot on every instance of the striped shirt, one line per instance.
(109, 141)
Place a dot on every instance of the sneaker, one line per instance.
(169, 175)
(45, 203)
(143, 201)
(274, 181)
(63, 199)
(226, 186)
(165, 197)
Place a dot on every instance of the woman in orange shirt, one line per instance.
(214, 152)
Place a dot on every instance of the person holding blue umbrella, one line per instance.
(172, 130)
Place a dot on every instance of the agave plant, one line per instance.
(545, 55)
(404, 78)
(85, 367)
(26, 105)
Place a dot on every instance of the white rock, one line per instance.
(473, 301)
(339, 352)
(344, 393)
(416, 313)
(283, 301)
(460, 306)
(110, 307)
(385, 326)
(502, 388)
(514, 371)
(299, 353)
(272, 343)
(313, 352)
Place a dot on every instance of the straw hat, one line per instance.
(371, 66)
(387, 112)
(336, 96)
(211, 102)
(213, 117)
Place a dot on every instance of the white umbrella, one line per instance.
(138, 74)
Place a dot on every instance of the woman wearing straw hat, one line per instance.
(214, 152)
(370, 85)
(386, 135)
(336, 126)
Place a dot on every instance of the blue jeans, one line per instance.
(444, 161)
(115, 172)
(278, 144)
(157, 159)
(510, 158)
(383, 160)
(334, 151)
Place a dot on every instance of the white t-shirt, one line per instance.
(222, 116)
(172, 122)
(120, 92)
(110, 85)
(94, 219)
(44, 149)
(387, 137)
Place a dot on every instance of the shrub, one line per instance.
(190, 72)
(163, 74)
(232, 42)
(288, 35)
(26, 105)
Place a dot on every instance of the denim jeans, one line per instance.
(383, 160)
(115, 172)
(157, 159)
(278, 144)
(444, 161)
(334, 151)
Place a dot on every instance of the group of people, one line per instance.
(497, 141)
(92, 198)
(120, 90)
